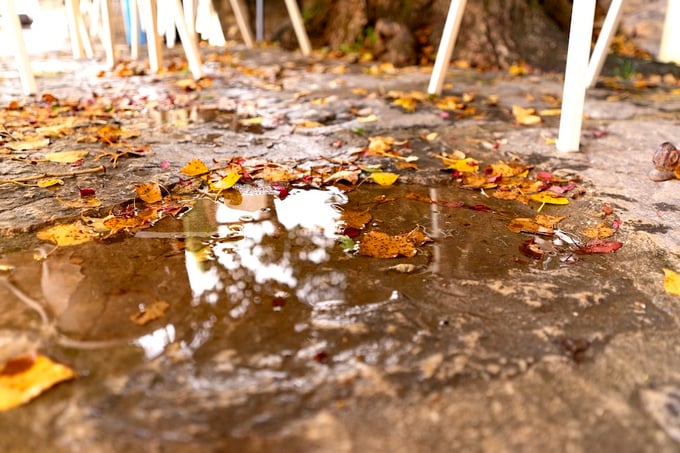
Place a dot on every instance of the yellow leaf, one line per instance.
(671, 282)
(550, 112)
(384, 178)
(66, 157)
(367, 119)
(226, 182)
(467, 165)
(526, 225)
(255, 121)
(49, 182)
(600, 231)
(83, 202)
(69, 234)
(525, 116)
(195, 167)
(150, 192)
(548, 198)
(29, 144)
(308, 124)
(408, 104)
(24, 378)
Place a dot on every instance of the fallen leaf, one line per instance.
(49, 182)
(149, 192)
(526, 225)
(377, 244)
(195, 167)
(350, 176)
(66, 157)
(356, 219)
(384, 179)
(31, 144)
(150, 313)
(24, 378)
(525, 116)
(600, 246)
(83, 202)
(600, 231)
(227, 182)
(549, 198)
(68, 234)
(671, 282)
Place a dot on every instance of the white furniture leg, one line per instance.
(188, 39)
(11, 19)
(449, 35)
(107, 34)
(669, 50)
(299, 27)
(611, 23)
(147, 9)
(575, 81)
(72, 12)
(242, 22)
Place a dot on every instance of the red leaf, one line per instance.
(600, 246)
(283, 190)
(480, 207)
(165, 165)
(607, 210)
(544, 176)
(87, 192)
(352, 233)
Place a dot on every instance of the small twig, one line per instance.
(70, 174)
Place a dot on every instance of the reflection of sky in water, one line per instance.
(155, 342)
(245, 248)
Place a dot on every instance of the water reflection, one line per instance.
(256, 241)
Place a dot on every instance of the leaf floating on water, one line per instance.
(384, 179)
(69, 234)
(150, 313)
(382, 245)
(671, 282)
(149, 192)
(347, 244)
(356, 219)
(526, 225)
(600, 246)
(25, 378)
(195, 167)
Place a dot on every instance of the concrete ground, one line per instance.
(476, 351)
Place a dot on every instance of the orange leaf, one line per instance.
(150, 192)
(24, 378)
(195, 167)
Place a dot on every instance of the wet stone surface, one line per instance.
(274, 334)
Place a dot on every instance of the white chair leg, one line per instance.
(575, 82)
(82, 32)
(72, 11)
(107, 34)
(242, 22)
(611, 23)
(299, 27)
(188, 39)
(190, 15)
(11, 20)
(449, 35)
(147, 13)
(669, 51)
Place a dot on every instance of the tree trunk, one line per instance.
(493, 33)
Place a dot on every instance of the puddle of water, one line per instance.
(268, 317)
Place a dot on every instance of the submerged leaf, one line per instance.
(24, 378)
(150, 313)
(382, 245)
(69, 234)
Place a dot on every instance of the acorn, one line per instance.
(666, 159)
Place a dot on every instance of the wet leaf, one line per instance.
(66, 157)
(600, 246)
(600, 231)
(407, 103)
(227, 182)
(384, 179)
(50, 182)
(467, 165)
(150, 313)
(549, 221)
(356, 219)
(526, 225)
(195, 167)
(377, 244)
(274, 173)
(671, 282)
(346, 243)
(549, 198)
(149, 192)
(68, 234)
(350, 176)
(25, 378)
